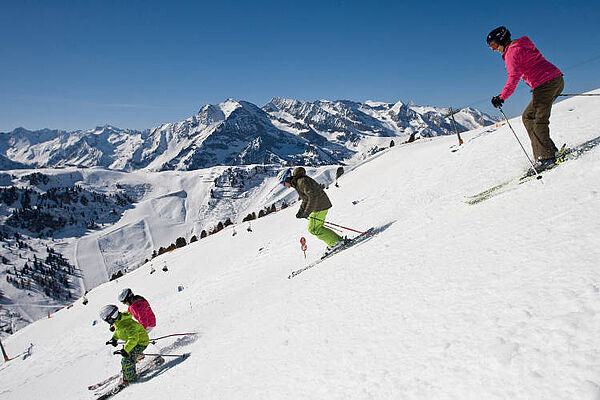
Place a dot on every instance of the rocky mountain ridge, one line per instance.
(284, 132)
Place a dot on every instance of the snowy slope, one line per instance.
(166, 205)
(174, 204)
(500, 300)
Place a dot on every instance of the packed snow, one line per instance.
(498, 300)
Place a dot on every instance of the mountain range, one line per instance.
(284, 132)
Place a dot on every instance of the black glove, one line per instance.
(112, 328)
(122, 352)
(112, 341)
(300, 215)
(497, 101)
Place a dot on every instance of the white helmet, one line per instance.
(109, 313)
(125, 295)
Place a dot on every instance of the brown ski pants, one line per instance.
(536, 118)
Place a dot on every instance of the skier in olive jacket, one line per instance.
(135, 337)
(524, 61)
(315, 205)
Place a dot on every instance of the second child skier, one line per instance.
(139, 307)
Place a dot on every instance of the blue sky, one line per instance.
(137, 64)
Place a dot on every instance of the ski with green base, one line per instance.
(564, 154)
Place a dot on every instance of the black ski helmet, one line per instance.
(500, 35)
(125, 295)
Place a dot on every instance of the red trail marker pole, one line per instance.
(303, 245)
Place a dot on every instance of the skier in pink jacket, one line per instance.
(524, 61)
(139, 308)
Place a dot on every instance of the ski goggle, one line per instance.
(110, 319)
(285, 176)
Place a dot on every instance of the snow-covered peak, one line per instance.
(397, 106)
(105, 128)
(229, 106)
(373, 103)
(281, 103)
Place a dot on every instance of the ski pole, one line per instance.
(153, 341)
(174, 334)
(451, 113)
(164, 355)
(524, 151)
(332, 228)
(579, 94)
(340, 226)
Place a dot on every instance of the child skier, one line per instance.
(524, 60)
(134, 335)
(139, 308)
(315, 205)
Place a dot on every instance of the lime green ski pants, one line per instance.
(315, 227)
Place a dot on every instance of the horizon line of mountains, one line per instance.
(283, 132)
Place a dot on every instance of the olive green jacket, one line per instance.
(311, 193)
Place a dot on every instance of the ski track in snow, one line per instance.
(500, 300)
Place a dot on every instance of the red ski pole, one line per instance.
(344, 227)
(175, 334)
(153, 340)
(165, 355)
(332, 227)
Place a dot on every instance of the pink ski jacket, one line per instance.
(524, 60)
(141, 310)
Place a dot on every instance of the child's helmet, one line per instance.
(109, 313)
(125, 295)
